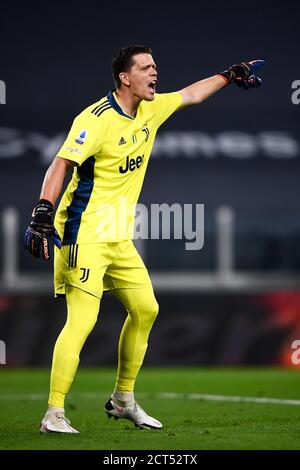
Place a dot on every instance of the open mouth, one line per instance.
(152, 85)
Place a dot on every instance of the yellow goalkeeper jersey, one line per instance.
(111, 150)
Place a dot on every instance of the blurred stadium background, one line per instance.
(236, 302)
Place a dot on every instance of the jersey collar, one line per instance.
(113, 102)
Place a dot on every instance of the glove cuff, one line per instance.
(236, 72)
(228, 75)
(43, 212)
(224, 76)
(46, 202)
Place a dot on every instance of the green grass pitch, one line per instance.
(190, 421)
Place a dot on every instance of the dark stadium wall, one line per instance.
(224, 329)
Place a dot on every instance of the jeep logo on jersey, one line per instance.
(131, 164)
(80, 139)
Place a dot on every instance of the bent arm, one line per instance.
(200, 91)
(54, 179)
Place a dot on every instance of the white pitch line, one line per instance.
(166, 395)
(23, 397)
(207, 397)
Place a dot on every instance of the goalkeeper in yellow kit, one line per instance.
(108, 148)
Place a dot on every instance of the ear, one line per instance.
(124, 78)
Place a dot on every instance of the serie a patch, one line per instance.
(80, 139)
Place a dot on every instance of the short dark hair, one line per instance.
(122, 62)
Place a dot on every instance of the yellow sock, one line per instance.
(83, 310)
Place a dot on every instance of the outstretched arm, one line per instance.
(200, 91)
(241, 74)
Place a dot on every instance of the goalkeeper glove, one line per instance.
(251, 82)
(40, 230)
(242, 74)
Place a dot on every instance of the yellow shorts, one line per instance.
(98, 267)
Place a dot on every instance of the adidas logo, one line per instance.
(122, 141)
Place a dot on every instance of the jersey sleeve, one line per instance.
(84, 139)
(165, 105)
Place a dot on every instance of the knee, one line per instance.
(150, 311)
(155, 309)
